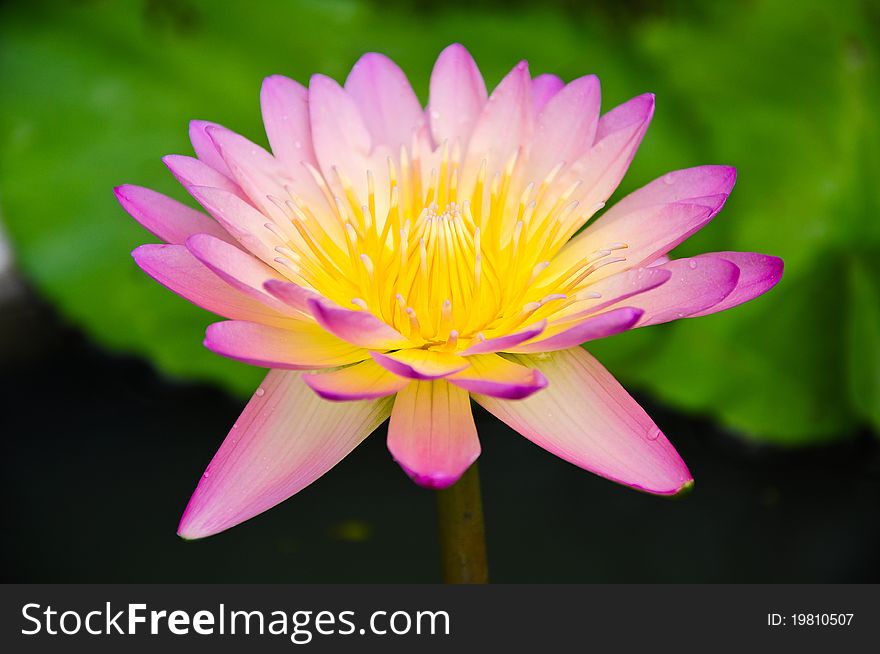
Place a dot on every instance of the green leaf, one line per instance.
(863, 332)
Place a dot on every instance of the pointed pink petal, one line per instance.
(339, 135)
(432, 433)
(545, 87)
(389, 107)
(585, 417)
(618, 136)
(696, 284)
(193, 172)
(204, 147)
(302, 346)
(284, 440)
(421, 364)
(240, 219)
(657, 217)
(568, 334)
(457, 96)
(758, 273)
(360, 328)
(634, 111)
(264, 179)
(238, 269)
(502, 343)
(170, 220)
(649, 214)
(566, 127)
(285, 107)
(490, 374)
(659, 261)
(293, 295)
(613, 290)
(366, 380)
(704, 185)
(177, 269)
(505, 124)
(646, 233)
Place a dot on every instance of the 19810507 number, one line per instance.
(821, 619)
(810, 619)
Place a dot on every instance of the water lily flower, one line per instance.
(389, 260)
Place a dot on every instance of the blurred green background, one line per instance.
(94, 93)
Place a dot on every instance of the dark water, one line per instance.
(100, 455)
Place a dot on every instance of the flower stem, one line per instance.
(462, 535)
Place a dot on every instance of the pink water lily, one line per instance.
(392, 261)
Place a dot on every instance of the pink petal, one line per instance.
(285, 106)
(615, 289)
(284, 440)
(502, 343)
(706, 185)
(618, 136)
(293, 295)
(302, 346)
(165, 217)
(389, 107)
(204, 146)
(662, 214)
(566, 334)
(646, 233)
(635, 111)
(505, 124)
(356, 327)
(339, 135)
(545, 87)
(421, 364)
(265, 181)
(585, 417)
(654, 219)
(758, 273)
(240, 219)
(490, 374)
(238, 269)
(432, 433)
(566, 127)
(193, 172)
(176, 268)
(659, 261)
(458, 94)
(366, 380)
(696, 284)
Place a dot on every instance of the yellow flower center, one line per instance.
(442, 269)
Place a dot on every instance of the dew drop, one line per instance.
(260, 392)
(692, 264)
(652, 434)
(669, 178)
(206, 475)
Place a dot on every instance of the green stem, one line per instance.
(462, 535)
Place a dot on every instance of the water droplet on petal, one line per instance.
(260, 392)
(692, 264)
(669, 178)
(652, 434)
